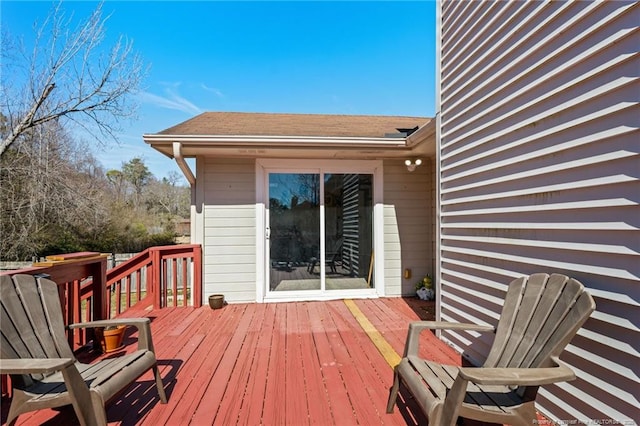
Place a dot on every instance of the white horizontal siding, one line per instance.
(539, 170)
(409, 232)
(230, 229)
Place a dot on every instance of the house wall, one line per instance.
(409, 225)
(227, 188)
(538, 171)
(229, 218)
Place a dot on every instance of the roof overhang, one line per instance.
(421, 142)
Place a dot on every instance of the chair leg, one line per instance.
(526, 414)
(97, 414)
(87, 404)
(393, 392)
(159, 385)
(14, 411)
(17, 401)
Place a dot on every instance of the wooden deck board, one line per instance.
(274, 401)
(195, 372)
(354, 366)
(253, 401)
(218, 383)
(377, 373)
(322, 329)
(388, 324)
(187, 346)
(316, 392)
(269, 364)
(232, 398)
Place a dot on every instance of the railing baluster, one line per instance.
(197, 276)
(185, 295)
(164, 283)
(174, 280)
(76, 314)
(138, 285)
(66, 293)
(88, 314)
(86, 308)
(118, 301)
(128, 291)
(157, 278)
(108, 301)
(149, 284)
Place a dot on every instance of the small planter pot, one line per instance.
(216, 301)
(426, 293)
(111, 339)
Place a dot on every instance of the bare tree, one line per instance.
(69, 75)
(51, 189)
(167, 197)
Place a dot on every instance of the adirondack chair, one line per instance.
(44, 371)
(540, 316)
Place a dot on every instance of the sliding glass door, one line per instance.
(319, 232)
(293, 234)
(348, 231)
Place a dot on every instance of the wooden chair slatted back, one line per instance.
(540, 316)
(32, 325)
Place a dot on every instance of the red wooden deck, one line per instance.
(303, 363)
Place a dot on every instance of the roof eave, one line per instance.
(421, 135)
(300, 141)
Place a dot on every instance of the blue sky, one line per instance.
(363, 57)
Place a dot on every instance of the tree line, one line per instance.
(57, 198)
(54, 195)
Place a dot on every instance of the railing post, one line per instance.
(156, 274)
(74, 313)
(98, 271)
(197, 276)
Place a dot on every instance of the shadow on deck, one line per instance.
(272, 364)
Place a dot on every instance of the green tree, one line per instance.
(137, 174)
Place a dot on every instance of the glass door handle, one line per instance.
(267, 233)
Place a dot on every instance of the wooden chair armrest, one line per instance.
(142, 324)
(416, 327)
(499, 376)
(136, 322)
(34, 365)
(517, 376)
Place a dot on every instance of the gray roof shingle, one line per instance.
(268, 124)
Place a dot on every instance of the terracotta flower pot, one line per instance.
(111, 340)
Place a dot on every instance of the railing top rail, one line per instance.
(176, 246)
(136, 262)
(144, 258)
(31, 270)
(181, 248)
(64, 270)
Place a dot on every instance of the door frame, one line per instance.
(265, 166)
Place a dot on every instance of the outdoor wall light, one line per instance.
(411, 165)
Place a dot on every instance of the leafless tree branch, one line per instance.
(72, 76)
